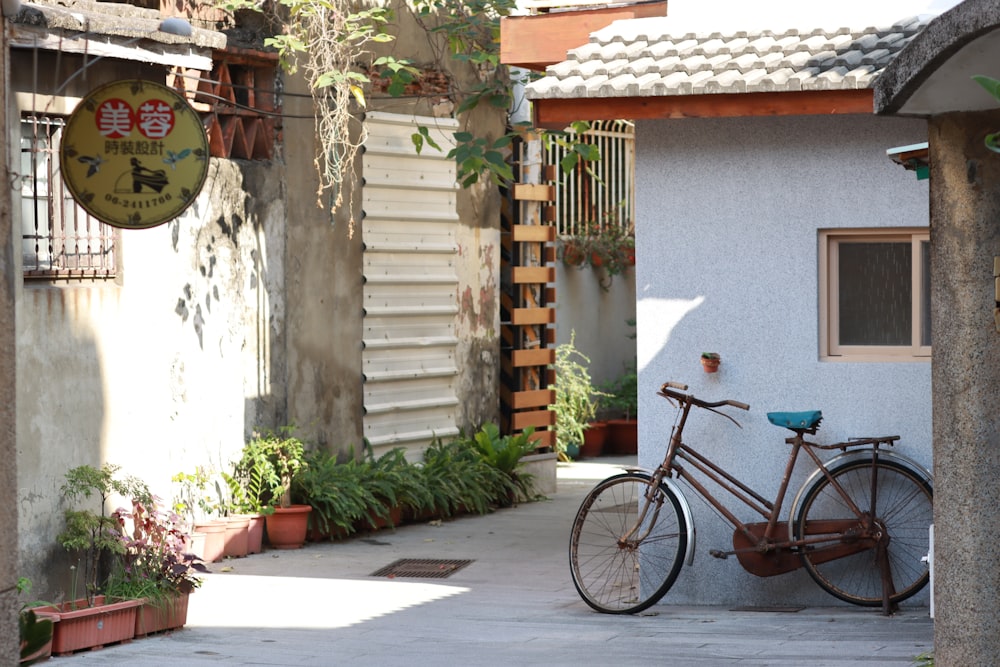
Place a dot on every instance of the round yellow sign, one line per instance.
(134, 154)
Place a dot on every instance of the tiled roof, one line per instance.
(652, 57)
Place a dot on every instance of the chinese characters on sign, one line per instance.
(134, 154)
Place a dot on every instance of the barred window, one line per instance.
(601, 192)
(59, 239)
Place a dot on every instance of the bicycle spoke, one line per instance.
(904, 512)
(616, 569)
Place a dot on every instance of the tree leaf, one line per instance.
(991, 85)
(993, 142)
(359, 94)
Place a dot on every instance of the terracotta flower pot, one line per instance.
(169, 613)
(255, 534)
(594, 439)
(573, 255)
(237, 536)
(215, 540)
(80, 626)
(711, 364)
(623, 436)
(286, 528)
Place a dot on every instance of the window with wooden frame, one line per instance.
(59, 239)
(875, 295)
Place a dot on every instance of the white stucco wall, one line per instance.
(599, 318)
(727, 249)
(166, 368)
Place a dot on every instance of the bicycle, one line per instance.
(859, 523)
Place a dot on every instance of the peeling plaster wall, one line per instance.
(8, 472)
(478, 321)
(324, 295)
(167, 368)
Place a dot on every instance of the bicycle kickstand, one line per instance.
(888, 589)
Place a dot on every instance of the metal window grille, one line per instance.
(59, 238)
(601, 192)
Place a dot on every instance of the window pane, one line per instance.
(58, 237)
(875, 293)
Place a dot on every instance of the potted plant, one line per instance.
(608, 245)
(574, 404)
(621, 404)
(253, 477)
(573, 251)
(287, 524)
(34, 628)
(336, 492)
(710, 361)
(614, 246)
(91, 621)
(156, 566)
(504, 452)
(202, 508)
(412, 497)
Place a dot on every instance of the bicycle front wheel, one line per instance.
(620, 566)
(903, 509)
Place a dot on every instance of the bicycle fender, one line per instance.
(847, 457)
(685, 510)
(688, 518)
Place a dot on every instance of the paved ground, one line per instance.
(515, 604)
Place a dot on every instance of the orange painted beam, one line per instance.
(539, 357)
(536, 418)
(534, 233)
(540, 40)
(535, 398)
(533, 275)
(558, 113)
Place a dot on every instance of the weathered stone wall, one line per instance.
(8, 445)
(165, 368)
(965, 240)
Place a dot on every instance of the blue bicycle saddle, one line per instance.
(796, 420)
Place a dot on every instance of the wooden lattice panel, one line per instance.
(527, 311)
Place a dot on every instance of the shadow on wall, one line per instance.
(60, 420)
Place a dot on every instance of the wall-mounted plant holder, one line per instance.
(710, 361)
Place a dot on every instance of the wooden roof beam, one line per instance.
(557, 113)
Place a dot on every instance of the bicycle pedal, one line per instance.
(721, 555)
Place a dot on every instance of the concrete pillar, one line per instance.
(965, 239)
(8, 449)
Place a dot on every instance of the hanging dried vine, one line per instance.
(327, 40)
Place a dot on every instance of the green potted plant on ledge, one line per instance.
(574, 404)
(621, 405)
(607, 246)
(156, 566)
(287, 524)
(250, 484)
(34, 629)
(93, 535)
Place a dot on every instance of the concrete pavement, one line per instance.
(513, 604)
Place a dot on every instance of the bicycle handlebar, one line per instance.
(667, 391)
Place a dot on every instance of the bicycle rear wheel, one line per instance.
(903, 509)
(617, 573)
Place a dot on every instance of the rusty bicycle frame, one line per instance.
(768, 548)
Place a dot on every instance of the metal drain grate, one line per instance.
(426, 568)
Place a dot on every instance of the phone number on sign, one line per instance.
(136, 203)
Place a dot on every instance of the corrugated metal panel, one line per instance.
(411, 283)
